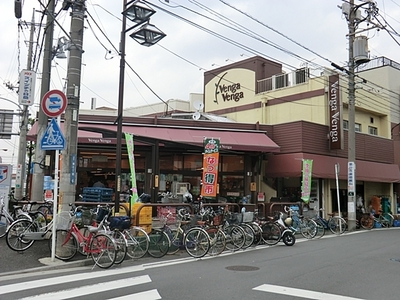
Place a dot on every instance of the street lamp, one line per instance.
(147, 35)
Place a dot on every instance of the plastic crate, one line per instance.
(396, 223)
(97, 191)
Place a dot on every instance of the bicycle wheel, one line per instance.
(366, 222)
(47, 211)
(386, 220)
(39, 219)
(176, 238)
(337, 225)
(249, 235)
(257, 233)
(122, 246)
(308, 228)
(4, 223)
(217, 241)
(235, 237)
(320, 229)
(271, 233)
(197, 242)
(138, 242)
(159, 243)
(16, 235)
(66, 245)
(103, 250)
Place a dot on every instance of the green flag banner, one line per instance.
(306, 182)
(130, 148)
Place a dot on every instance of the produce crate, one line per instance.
(97, 194)
(98, 191)
(96, 198)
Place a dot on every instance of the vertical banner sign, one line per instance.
(210, 167)
(130, 148)
(306, 182)
(335, 113)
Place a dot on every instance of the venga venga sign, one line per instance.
(335, 114)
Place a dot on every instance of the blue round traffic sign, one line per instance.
(54, 103)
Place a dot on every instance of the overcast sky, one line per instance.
(291, 32)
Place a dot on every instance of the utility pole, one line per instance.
(351, 165)
(71, 115)
(21, 164)
(38, 173)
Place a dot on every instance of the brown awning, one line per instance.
(230, 140)
(290, 165)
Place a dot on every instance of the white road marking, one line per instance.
(148, 295)
(64, 279)
(283, 290)
(94, 288)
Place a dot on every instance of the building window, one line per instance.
(372, 120)
(357, 126)
(372, 130)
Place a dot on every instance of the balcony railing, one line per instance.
(283, 80)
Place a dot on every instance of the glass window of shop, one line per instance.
(231, 185)
(188, 168)
(93, 165)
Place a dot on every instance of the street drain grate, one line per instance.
(395, 259)
(242, 268)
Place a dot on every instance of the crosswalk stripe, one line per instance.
(64, 279)
(147, 295)
(283, 290)
(91, 289)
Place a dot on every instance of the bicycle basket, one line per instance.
(64, 221)
(102, 212)
(217, 220)
(88, 217)
(121, 223)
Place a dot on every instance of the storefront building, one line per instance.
(168, 152)
(308, 115)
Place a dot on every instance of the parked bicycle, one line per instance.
(299, 224)
(7, 218)
(134, 238)
(335, 224)
(99, 245)
(369, 220)
(194, 240)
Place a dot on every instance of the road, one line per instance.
(361, 265)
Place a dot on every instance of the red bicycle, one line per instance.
(97, 244)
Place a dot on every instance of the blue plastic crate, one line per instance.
(396, 223)
(97, 191)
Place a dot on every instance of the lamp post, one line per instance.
(146, 35)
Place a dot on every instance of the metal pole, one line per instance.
(38, 173)
(120, 112)
(351, 181)
(21, 164)
(69, 155)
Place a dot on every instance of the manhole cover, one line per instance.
(242, 268)
(395, 259)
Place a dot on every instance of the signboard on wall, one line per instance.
(335, 113)
(210, 168)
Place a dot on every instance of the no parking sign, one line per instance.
(54, 103)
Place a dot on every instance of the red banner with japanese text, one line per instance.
(210, 167)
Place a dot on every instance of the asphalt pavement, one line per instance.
(35, 258)
(38, 257)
